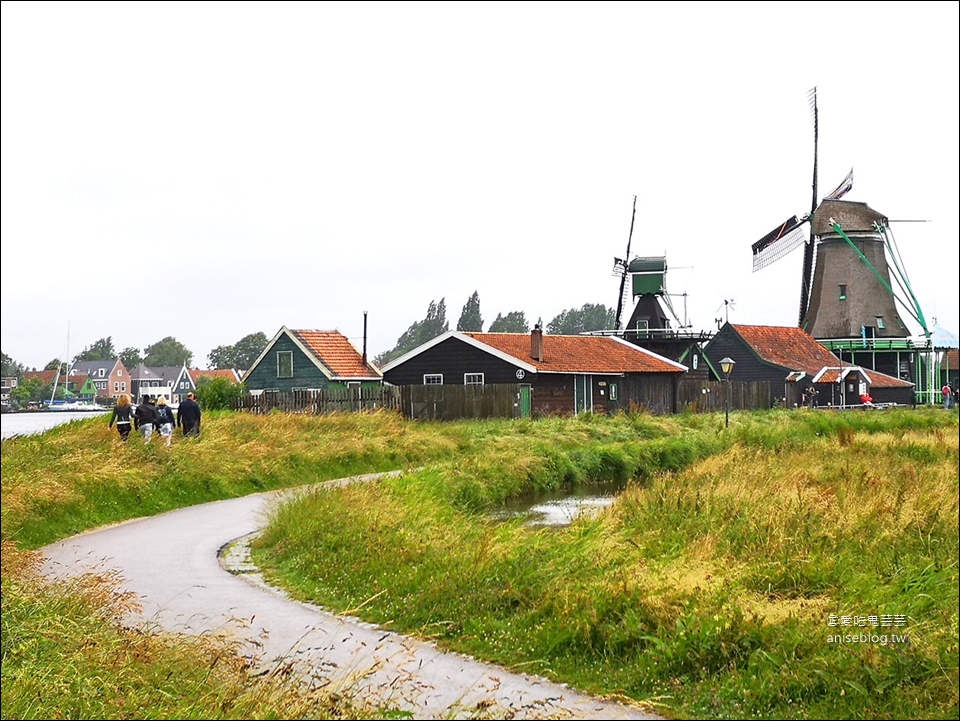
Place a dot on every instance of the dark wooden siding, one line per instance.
(749, 368)
(653, 392)
(552, 394)
(452, 358)
(305, 372)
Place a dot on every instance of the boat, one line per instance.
(74, 406)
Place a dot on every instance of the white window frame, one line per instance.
(284, 354)
(467, 376)
(433, 379)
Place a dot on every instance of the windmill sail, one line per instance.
(777, 243)
(845, 187)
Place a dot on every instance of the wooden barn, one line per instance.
(792, 360)
(564, 374)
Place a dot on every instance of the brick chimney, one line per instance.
(536, 343)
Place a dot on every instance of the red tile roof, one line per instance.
(789, 347)
(579, 354)
(951, 359)
(229, 373)
(46, 376)
(796, 349)
(336, 352)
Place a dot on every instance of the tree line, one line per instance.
(589, 317)
(241, 355)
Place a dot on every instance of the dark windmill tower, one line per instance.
(649, 325)
(847, 296)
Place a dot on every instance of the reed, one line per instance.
(708, 588)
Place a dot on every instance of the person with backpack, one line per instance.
(145, 418)
(165, 419)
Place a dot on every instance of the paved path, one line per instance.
(192, 576)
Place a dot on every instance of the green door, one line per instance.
(524, 401)
(583, 393)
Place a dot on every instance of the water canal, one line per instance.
(561, 508)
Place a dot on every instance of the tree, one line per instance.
(216, 394)
(11, 369)
(514, 322)
(433, 325)
(167, 352)
(131, 358)
(100, 351)
(589, 317)
(241, 355)
(470, 319)
(54, 364)
(32, 389)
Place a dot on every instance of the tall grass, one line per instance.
(711, 587)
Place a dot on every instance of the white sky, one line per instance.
(297, 164)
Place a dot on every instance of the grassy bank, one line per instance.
(60, 658)
(808, 570)
(706, 588)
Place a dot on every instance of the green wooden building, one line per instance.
(310, 360)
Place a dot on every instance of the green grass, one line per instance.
(704, 591)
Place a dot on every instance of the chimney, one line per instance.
(536, 343)
(364, 337)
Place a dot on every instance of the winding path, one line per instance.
(192, 576)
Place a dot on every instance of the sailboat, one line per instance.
(66, 405)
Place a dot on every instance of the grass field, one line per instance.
(709, 589)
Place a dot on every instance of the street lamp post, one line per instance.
(726, 365)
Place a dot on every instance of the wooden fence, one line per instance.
(333, 400)
(707, 396)
(445, 403)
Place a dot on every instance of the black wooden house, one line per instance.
(558, 374)
(792, 360)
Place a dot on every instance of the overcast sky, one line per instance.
(260, 165)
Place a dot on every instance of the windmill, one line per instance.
(647, 286)
(845, 282)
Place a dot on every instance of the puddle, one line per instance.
(561, 509)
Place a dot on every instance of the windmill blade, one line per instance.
(778, 242)
(812, 97)
(846, 185)
(623, 277)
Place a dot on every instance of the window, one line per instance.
(473, 379)
(123, 387)
(613, 390)
(353, 384)
(433, 379)
(285, 364)
(116, 387)
(880, 324)
(119, 372)
(100, 372)
(843, 292)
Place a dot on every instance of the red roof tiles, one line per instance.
(796, 349)
(579, 354)
(335, 351)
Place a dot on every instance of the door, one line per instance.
(525, 401)
(583, 393)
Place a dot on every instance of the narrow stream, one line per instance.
(561, 508)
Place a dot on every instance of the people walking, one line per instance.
(122, 416)
(188, 415)
(165, 420)
(947, 392)
(145, 418)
